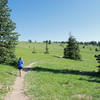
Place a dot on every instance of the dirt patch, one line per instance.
(1, 86)
(82, 96)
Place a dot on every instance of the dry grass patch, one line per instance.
(82, 96)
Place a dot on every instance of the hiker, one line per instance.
(20, 65)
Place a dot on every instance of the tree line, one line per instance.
(94, 43)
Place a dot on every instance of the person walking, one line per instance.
(20, 66)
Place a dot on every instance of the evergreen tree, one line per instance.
(96, 49)
(46, 48)
(72, 49)
(8, 38)
(83, 47)
(49, 42)
(99, 43)
(30, 41)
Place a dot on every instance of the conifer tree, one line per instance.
(49, 42)
(72, 49)
(46, 48)
(8, 38)
(30, 41)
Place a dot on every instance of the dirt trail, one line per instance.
(17, 92)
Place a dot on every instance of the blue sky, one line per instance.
(53, 19)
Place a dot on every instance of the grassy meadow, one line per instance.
(56, 78)
(53, 77)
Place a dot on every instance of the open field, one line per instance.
(53, 77)
(56, 78)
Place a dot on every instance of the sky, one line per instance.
(42, 20)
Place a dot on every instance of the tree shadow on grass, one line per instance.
(91, 74)
(66, 71)
(97, 81)
(66, 58)
(58, 56)
(91, 80)
(27, 69)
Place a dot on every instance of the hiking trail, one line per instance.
(18, 88)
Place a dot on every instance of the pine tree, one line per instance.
(46, 48)
(96, 49)
(72, 49)
(30, 41)
(8, 38)
(49, 42)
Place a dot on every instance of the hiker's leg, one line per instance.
(20, 72)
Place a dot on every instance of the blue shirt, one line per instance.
(20, 63)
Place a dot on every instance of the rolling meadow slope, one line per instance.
(56, 78)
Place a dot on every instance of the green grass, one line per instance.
(7, 76)
(55, 78)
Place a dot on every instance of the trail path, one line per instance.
(17, 92)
